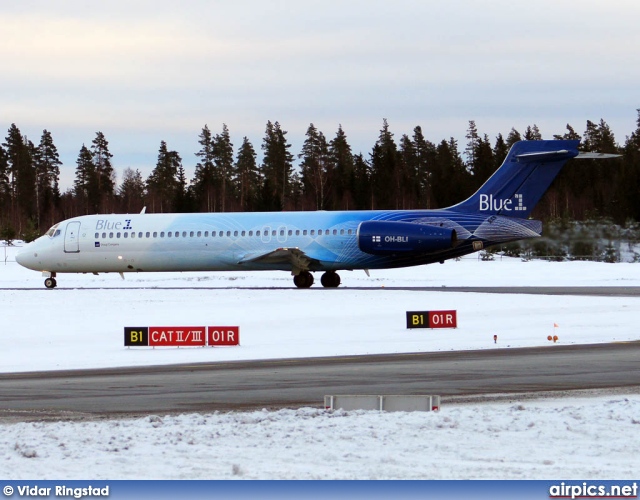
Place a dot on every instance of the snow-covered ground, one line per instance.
(80, 325)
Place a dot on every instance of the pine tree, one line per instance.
(277, 167)
(425, 159)
(163, 183)
(22, 176)
(5, 191)
(363, 189)
(86, 182)
(131, 191)
(341, 172)
(570, 134)
(101, 158)
(314, 167)
(385, 174)
(247, 177)
(408, 166)
(47, 164)
(485, 162)
(513, 137)
(224, 164)
(182, 201)
(480, 162)
(532, 133)
(630, 175)
(451, 180)
(473, 145)
(206, 183)
(500, 151)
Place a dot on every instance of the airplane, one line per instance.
(307, 242)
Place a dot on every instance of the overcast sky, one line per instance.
(145, 71)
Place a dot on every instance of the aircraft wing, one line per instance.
(298, 260)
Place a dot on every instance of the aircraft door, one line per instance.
(266, 234)
(282, 234)
(71, 238)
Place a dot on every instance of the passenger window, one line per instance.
(206, 234)
(228, 234)
(297, 232)
(235, 233)
(341, 231)
(250, 233)
(161, 234)
(155, 234)
(126, 235)
(257, 233)
(133, 235)
(184, 234)
(97, 235)
(290, 232)
(191, 234)
(177, 235)
(313, 232)
(169, 234)
(281, 232)
(117, 235)
(243, 233)
(335, 232)
(273, 233)
(221, 234)
(304, 232)
(350, 231)
(110, 235)
(148, 234)
(140, 235)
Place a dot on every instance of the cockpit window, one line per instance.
(54, 231)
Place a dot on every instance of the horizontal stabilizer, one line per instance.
(596, 156)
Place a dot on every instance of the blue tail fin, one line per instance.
(517, 186)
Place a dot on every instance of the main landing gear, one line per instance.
(330, 279)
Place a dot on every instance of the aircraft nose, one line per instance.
(25, 257)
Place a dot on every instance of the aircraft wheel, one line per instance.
(50, 283)
(303, 280)
(330, 279)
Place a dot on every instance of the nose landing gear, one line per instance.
(50, 282)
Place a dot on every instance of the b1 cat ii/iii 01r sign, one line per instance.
(181, 336)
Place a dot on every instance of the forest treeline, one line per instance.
(411, 172)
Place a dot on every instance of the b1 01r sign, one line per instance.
(432, 319)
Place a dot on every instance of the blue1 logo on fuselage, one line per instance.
(104, 224)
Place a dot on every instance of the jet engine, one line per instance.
(388, 238)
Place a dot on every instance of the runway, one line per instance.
(586, 291)
(303, 382)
